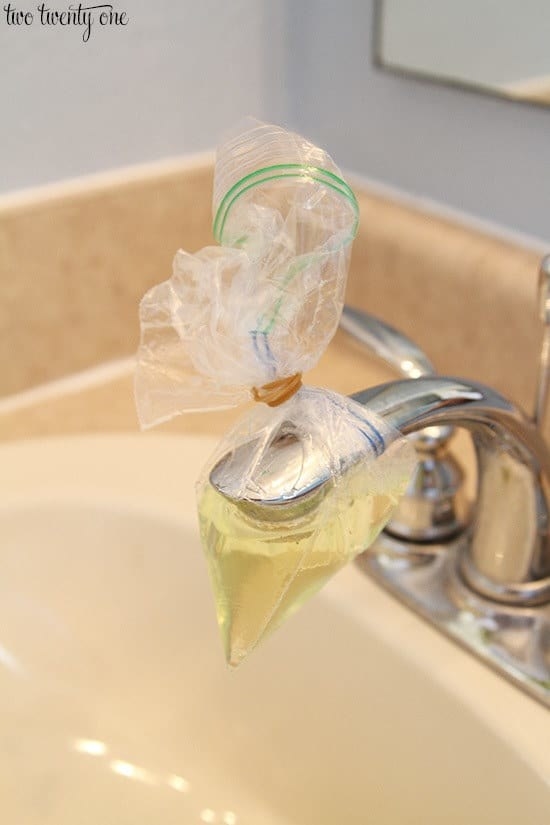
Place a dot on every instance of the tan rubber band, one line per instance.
(277, 392)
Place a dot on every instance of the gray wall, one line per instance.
(166, 84)
(486, 156)
(182, 71)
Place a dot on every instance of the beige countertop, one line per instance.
(76, 258)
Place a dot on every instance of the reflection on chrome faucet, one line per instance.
(487, 585)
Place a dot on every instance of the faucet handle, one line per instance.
(435, 505)
(393, 348)
(386, 343)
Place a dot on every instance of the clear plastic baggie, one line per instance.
(244, 320)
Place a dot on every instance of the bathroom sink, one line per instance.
(117, 708)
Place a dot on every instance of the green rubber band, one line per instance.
(283, 170)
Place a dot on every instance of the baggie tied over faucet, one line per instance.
(245, 319)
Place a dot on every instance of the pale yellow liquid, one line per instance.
(265, 561)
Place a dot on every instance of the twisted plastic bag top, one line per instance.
(264, 304)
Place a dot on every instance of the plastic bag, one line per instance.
(264, 304)
(246, 319)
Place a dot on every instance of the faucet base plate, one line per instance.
(515, 641)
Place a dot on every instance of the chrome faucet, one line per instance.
(488, 587)
(486, 581)
(508, 556)
(435, 506)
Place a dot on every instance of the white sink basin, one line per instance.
(116, 706)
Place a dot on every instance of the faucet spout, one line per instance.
(506, 552)
(507, 557)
